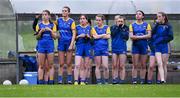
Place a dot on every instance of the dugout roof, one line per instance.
(97, 6)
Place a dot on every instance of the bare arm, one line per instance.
(96, 36)
(38, 36)
(106, 36)
(132, 37)
(147, 36)
(73, 39)
(53, 33)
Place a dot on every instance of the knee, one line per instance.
(61, 65)
(114, 67)
(121, 67)
(135, 67)
(68, 63)
(87, 67)
(143, 67)
(77, 66)
(82, 68)
(51, 66)
(97, 67)
(151, 68)
(41, 67)
(159, 63)
(106, 68)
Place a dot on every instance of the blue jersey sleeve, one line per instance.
(125, 34)
(166, 39)
(114, 30)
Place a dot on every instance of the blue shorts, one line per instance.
(162, 48)
(63, 46)
(47, 51)
(152, 53)
(123, 51)
(140, 49)
(45, 46)
(101, 53)
(83, 50)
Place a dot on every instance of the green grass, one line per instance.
(126, 90)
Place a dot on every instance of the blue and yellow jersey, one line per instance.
(65, 28)
(140, 29)
(47, 34)
(46, 41)
(83, 30)
(101, 44)
(163, 33)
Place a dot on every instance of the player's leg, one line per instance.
(165, 58)
(160, 65)
(143, 59)
(78, 60)
(152, 61)
(135, 60)
(46, 72)
(61, 56)
(50, 58)
(97, 70)
(105, 68)
(122, 70)
(84, 70)
(69, 66)
(114, 68)
(41, 61)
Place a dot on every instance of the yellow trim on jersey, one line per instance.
(73, 26)
(37, 27)
(65, 19)
(54, 28)
(83, 26)
(139, 22)
(55, 22)
(148, 27)
(130, 28)
(108, 31)
(93, 31)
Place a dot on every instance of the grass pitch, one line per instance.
(126, 90)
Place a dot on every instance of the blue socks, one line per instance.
(134, 80)
(51, 81)
(98, 81)
(60, 79)
(149, 81)
(69, 79)
(87, 81)
(40, 81)
(142, 81)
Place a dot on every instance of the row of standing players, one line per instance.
(140, 33)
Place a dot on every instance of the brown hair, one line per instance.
(141, 12)
(69, 10)
(47, 11)
(101, 16)
(164, 15)
(84, 16)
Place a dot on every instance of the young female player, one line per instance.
(83, 47)
(67, 32)
(45, 46)
(101, 37)
(162, 35)
(139, 32)
(119, 36)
